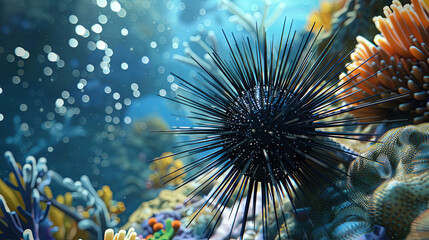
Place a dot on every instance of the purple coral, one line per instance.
(30, 217)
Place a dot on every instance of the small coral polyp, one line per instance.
(400, 62)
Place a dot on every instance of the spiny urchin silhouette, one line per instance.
(261, 125)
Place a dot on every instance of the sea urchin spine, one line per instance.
(261, 124)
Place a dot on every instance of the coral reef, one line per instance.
(420, 227)
(354, 19)
(389, 180)
(166, 164)
(397, 202)
(400, 66)
(163, 230)
(324, 15)
(28, 206)
(22, 214)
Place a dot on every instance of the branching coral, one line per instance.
(26, 199)
(161, 232)
(166, 165)
(401, 64)
(68, 226)
(22, 214)
(97, 218)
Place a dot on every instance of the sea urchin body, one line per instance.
(260, 125)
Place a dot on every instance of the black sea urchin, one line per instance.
(261, 124)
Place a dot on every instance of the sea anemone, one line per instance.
(401, 65)
(260, 127)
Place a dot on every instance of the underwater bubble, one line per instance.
(80, 30)
(153, 44)
(86, 34)
(134, 86)
(116, 96)
(2, 117)
(181, 6)
(59, 102)
(174, 86)
(20, 63)
(19, 51)
(161, 69)
(102, 3)
(115, 6)
(1, 90)
(47, 71)
(124, 66)
(170, 78)
(122, 13)
(85, 98)
(50, 116)
(106, 59)
(53, 57)
(60, 63)
(207, 22)
(200, 27)
(75, 73)
(136, 93)
(254, 7)
(106, 71)
(20, 72)
(127, 102)
(73, 42)
(23, 107)
(101, 45)
(108, 119)
(10, 58)
(71, 100)
(115, 120)
(108, 52)
(145, 60)
(107, 90)
(47, 49)
(202, 12)
(91, 45)
(118, 106)
(16, 79)
(124, 32)
(24, 127)
(162, 92)
(90, 68)
(73, 19)
(50, 149)
(108, 110)
(127, 120)
(97, 28)
(65, 94)
(102, 19)
(160, 27)
(169, 5)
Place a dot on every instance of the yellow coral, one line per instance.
(323, 16)
(67, 227)
(166, 165)
(109, 234)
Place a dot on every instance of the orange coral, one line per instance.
(401, 64)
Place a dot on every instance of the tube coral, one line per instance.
(21, 211)
(401, 65)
